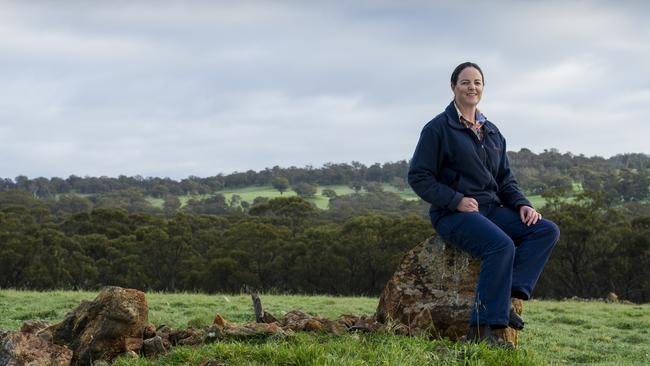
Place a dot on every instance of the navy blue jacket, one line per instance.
(450, 163)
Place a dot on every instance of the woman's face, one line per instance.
(469, 87)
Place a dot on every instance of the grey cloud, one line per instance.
(180, 88)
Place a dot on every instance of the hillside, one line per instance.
(625, 178)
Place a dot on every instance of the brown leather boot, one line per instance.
(515, 320)
(483, 334)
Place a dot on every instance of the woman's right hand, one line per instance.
(467, 204)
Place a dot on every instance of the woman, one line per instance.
(461, 168)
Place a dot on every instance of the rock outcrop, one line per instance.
(432, 292)
(102, 329)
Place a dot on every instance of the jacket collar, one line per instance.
(454, 120)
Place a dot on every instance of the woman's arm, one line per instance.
(425, 166)
(509, 191)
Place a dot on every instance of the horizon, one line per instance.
(366, 164)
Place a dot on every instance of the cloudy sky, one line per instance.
(179, 88)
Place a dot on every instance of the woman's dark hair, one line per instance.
(463, 66)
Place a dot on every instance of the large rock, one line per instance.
(432, 291)
(102, 329)
(22, 348)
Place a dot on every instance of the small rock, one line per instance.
(313, 325)
(297, 320)
(154, 347)
(213, 334)
(149, 331)
(186, 337)
(130, 354)
(612, 297)
(334, 327)
(348, 320)
(368, 324)
(219, 320)
(164, 332)
(269, 318)
(253, 330)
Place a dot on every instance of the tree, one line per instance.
(19, 199)
(259, 250)
(70, 204)
(356, 185)
(215, 205)
(171, 204)
(280, 183)
(627, 186)
(293, 212)
(373, 173)
(373, 187)
(305, 189)
(585, 249)
(399, 183)
(235, 201)
(166, 248)
(132, 200)
(329, 193)
(386, 203)
(259, 200)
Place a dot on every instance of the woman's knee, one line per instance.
(550, 230)
(503, 245)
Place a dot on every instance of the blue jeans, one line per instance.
(512, 255)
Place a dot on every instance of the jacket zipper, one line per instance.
(482, 144)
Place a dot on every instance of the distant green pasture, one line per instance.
(537, 200)
(250, 193)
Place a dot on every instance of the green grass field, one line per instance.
(566, 333)
(538, 201)
(249, 193)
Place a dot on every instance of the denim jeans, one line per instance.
(512, 255)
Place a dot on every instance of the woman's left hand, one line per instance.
(528, 215)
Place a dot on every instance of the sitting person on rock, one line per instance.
(461, 168)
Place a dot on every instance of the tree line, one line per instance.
(628, 174)
(288, 245)
(283, 244)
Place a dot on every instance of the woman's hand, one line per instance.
(528, 215)
(467, 204)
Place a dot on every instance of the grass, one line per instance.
(565, 333)
(250, 193)
(321, 201)
(537, 201)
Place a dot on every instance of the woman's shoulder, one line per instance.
(438, 122)
(491, 126)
